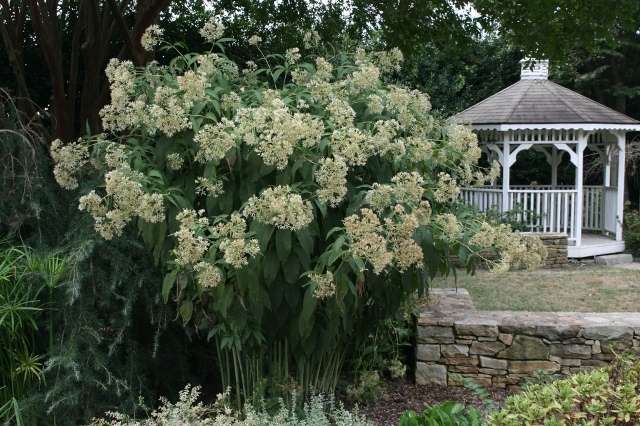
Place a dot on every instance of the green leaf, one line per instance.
(167, 284)
(306, 240)
(283, 244)
(270, 266)
(292, 270)
(263, 234)
(305, 323)
(186, 310)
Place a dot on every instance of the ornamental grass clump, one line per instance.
(609, 396)
(294, 201)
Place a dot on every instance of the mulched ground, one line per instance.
(400, 396)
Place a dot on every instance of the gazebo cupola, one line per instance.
(536, 113)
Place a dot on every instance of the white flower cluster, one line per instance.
(169, 112)
(151, 37)
(446, 188)
(175, 161)
(191, 244)
(449, 226)
(324, 286)
(206, 188)
(515, 250)
(405, 188)
(207, 275)
(212, 30)
(193, 86)
(255, 40)
(122, 112)
(311, 39)
(367, 239)
(291, 56)
(124, 200)
(465, 142)
(331, 176)
(399, 229)
(69, 160)
(215, 140)
(388, 60)
(274, 132)
(280, 207)
(233, 244)
(412, 108)
(391, 242)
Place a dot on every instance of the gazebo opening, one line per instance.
(563, 127)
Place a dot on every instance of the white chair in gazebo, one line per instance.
(536, 113)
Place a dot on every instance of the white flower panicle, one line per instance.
(274, 132)
(255, 40)
(151, 37)
(168, 113)
(352, 144)
(340, 113)
(236, 248)
(207, 275)
(399, 229)
(191, 244)
(375, 104)
(366, 77)
(324, 286)
(175, 161)
(389, 60)
(448, 225)
(367, 239)
(193, 86)
(465, 142)
(311, 39)
(485, 237)
(331, 176)
(124, 200)
(446, 188)
(69, 160)
(280, 207)
(206, 188)
(215, 140)
(291, 56)
(212, 30)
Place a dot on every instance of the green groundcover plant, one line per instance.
(293, 202)
(609, 396)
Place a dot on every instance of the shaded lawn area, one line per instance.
(576, 288)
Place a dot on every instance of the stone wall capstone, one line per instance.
(505, 348)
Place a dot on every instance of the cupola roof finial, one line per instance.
(534, 69)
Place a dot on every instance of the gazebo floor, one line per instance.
(595, 245)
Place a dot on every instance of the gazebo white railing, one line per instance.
(548, 208)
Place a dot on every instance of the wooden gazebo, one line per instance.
(536, 113)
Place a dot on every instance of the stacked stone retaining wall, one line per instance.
(505, 348)
(556, 245)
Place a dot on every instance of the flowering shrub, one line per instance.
(293, 204)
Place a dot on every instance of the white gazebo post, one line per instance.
(580, 147)
(606, 158)
(621, 139)
(506, 166)
(555, 162)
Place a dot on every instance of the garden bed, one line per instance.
(578, 288)
(400, 396)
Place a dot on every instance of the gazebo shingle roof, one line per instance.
(539, 101)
